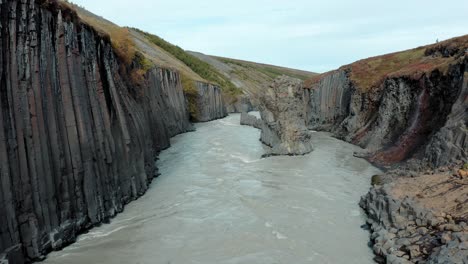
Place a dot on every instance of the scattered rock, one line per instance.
(445, 238)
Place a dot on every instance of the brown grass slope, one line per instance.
(369, 73)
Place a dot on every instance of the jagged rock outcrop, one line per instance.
(282, 111)
(78, 138)
(209, 103)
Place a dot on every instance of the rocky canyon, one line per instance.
(87, 107)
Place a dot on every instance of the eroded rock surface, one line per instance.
(282, 112)
(419, 220)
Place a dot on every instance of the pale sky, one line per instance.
(305, 34)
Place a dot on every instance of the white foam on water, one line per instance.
(278, 235)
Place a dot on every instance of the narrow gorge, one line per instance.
(411, 121)
(367, 163)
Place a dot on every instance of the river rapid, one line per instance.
(217, 201)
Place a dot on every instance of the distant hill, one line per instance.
(235, 77)
(250, 76)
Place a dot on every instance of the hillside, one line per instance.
(234, 77)
(132, 42)
(414, 63)
(250, 76)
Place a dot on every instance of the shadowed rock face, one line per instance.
(402, 119)
(329, 102)
(78, 140)
(282, 111)
(210, 103)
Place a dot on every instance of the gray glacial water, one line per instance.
(216, 201)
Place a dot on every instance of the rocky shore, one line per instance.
(419, 219)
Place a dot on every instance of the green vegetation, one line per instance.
(191, 92)
(465, 166)
(200, 67)
(143, 62)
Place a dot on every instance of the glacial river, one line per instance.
(217, 202)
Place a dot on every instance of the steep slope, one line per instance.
(409, 110)
(78, 135)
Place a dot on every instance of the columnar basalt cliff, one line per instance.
(405, 115)
(210, 104)
(78, 137)
(409, 110)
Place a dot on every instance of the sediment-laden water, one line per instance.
(216, 201)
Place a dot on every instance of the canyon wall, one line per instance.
(401, 119)
(414, 124)
(329, 101)
(210, 104)
(78, 138)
